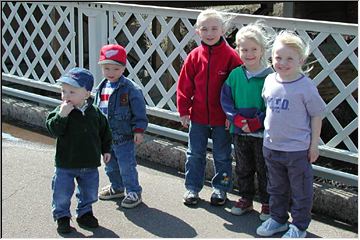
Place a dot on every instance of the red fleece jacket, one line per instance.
(201, 78)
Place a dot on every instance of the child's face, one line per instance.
(112, 72)
(74, 95)
(210, 30)
(286, 61)
(250, 53)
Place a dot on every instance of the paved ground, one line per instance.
(26, 196)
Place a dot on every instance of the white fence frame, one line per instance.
(35, 46)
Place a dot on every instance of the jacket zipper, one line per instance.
(207, 86)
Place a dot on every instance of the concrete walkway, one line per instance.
(27, 169)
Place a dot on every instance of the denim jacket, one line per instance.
(126, 110)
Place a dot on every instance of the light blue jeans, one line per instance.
(63, 187)
(121, 169)
(196, 157)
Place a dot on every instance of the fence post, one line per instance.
(97, 36)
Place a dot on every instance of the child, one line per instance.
(198, 102)
(82, 135)
(244, 107)
(122, 101)
(291, 137)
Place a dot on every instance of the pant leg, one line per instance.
(63, 187)
(222, 158)
(245, 166)
(87, 189)
(261, 170)
(196, 156)
(113, 172)
(125, 154)
(278, 185)
(301, 182)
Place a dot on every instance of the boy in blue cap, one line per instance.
(82, 135)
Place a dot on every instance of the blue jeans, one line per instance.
(121, 169)
(63, 187)
(196, 157)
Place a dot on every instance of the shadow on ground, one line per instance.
(165, 226)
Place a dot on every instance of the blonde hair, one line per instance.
(210, 13)
(294, 41)
(259, 33)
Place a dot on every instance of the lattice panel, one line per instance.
(137, 26)
(329, 64)
(38, 40)
(151, 40)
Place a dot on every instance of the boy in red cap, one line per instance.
(122, 101)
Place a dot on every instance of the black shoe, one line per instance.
(88, 220)
(63, 225)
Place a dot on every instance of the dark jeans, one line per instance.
(250, 161)
(290, 186)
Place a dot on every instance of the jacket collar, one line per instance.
(220, 42)
(121, 83)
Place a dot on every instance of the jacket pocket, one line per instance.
(120, 122)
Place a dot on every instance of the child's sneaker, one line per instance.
(242, 206)
(265, 212)
(218, 197)
(191, 197)
(107, 193)
(270, 227)
(88, 220)
(294, 232)
(63, 225)
(131, 200)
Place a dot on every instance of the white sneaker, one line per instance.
(131, 200)
(270, 227)
(107, 193)
(191, 197)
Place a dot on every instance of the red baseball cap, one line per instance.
(112, 54)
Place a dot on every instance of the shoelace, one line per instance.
(217, 192)
(132, 196)
(106, 187)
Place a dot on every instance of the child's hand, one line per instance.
(227, 124)
(185, 120)
(313, 153)
(138, 138)
(65, 108)
(106, 157)
(246, 128)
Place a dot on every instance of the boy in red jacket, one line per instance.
(198, 102)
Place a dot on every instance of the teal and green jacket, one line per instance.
(81, 137)
(241, 96)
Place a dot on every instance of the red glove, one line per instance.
(254, 124)
(239, 121)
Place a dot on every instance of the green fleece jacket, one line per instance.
(81, 137)
(241, 96)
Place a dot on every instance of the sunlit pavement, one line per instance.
(27, 167)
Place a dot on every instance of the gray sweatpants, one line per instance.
(290, 185)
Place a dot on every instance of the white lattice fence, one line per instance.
(38, 40)
(62, 35)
